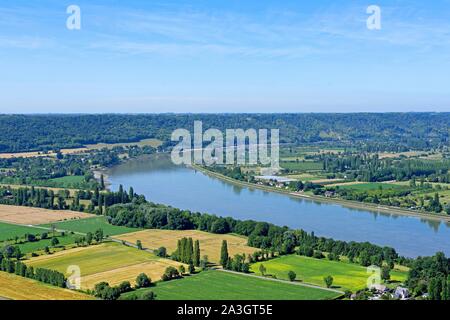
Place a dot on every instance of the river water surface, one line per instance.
(162, 182)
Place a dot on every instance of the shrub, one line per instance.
(143, 281)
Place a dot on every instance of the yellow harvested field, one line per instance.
(146, 142)
(33, 154)
(21, 155)
(408, 154)
(110, 262)
(346, 184)
(28, 215)
(153, 269)
(17, 186)
(210, 243)
(328, 181)
(19, 288)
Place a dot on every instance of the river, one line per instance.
(162, 182)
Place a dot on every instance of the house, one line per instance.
(379, 288)
(329, 194)
(401, 293)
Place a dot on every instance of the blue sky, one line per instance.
(224, 56)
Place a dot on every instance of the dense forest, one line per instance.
(372, 132)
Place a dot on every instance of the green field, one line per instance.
(68, 182)
(302, 166)
(9, 231)
(218, 285)
(373, 186)
(91, 225)
(29, 247)
(93, 259)
(309, 270)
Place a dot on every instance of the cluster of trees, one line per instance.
(34, 197)
(307, 186)
(434, 204)
(52, 277)
(48, 199)
(104, 291)
(237, 263)
(364, 253)
(9, 251)
(40, 171)
(233, 172)
(370, 168)
(187, 252)
(43, 171)
(100, 200)
(391, 197)
(430, 275)
(170, 274)
(98, 236)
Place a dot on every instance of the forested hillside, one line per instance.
(387, 131)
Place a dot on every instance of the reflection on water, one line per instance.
(162, 182)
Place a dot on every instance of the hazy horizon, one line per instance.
(217, 113)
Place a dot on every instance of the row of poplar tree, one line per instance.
(187, 252)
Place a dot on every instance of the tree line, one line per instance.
(48, 199)
(266, 236)
(52, 277)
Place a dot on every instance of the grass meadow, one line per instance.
(302, 166)
(219, 285)
(309, 270)
(91, 225)
(10, 231)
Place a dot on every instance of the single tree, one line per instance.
(181, 269)
(149, 295)
(55, 242)
(102, 182)
(191, 268)
(161, 252)
(224, 253)
(98, 235)
(292, 275)
(143, 281)
(196, 258)
(385, 273)
(204, 263)
(89, 238)
(262, 269)
(125, 286)
(328, 281)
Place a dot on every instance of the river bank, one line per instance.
(322, 199)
